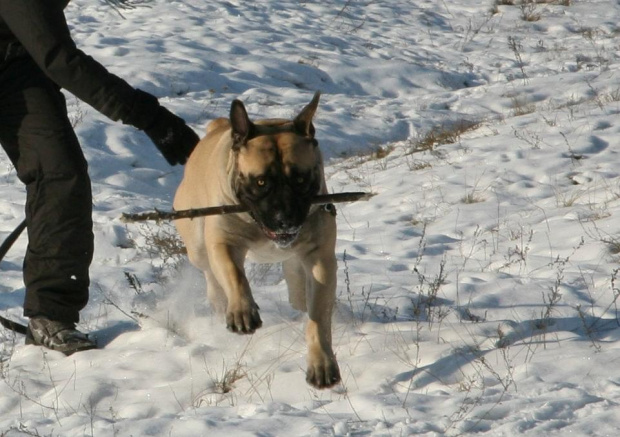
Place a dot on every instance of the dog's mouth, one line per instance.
(281, 238)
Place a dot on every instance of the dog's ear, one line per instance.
(303, 122)
(242, 127)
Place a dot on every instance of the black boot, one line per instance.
(58, 336)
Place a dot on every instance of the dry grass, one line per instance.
(443, 134)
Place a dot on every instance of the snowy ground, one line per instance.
(477, 290)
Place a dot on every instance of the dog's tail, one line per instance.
(4, 248)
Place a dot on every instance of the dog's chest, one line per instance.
(268, 253)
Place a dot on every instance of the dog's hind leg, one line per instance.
(191, 232)
(296, 282)
(215, 293)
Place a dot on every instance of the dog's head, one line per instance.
(278, 169)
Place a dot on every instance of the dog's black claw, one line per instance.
(244, 323)
(323, 377)
(323, 381)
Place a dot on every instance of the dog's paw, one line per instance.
(243, 320)
(323, 373)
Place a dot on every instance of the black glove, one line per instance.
(174, 139)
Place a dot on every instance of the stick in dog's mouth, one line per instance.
(158, 215)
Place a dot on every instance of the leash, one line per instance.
(10, 240)
(4, 248)
(13, 326)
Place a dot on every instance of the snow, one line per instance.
(477, 290)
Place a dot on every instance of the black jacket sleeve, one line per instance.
(40, 26)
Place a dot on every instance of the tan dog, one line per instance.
(275, 168)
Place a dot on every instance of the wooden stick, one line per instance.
(234, 209)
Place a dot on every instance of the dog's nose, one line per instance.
(283, 222)
(280, 221)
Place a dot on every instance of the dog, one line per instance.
(275, 168)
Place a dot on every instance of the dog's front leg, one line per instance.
(241, 312)
(323, 368)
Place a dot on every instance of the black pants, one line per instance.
(38, 137)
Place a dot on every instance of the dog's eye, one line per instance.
(302, 184)
(261, 182)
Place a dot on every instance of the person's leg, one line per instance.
(37, 135)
